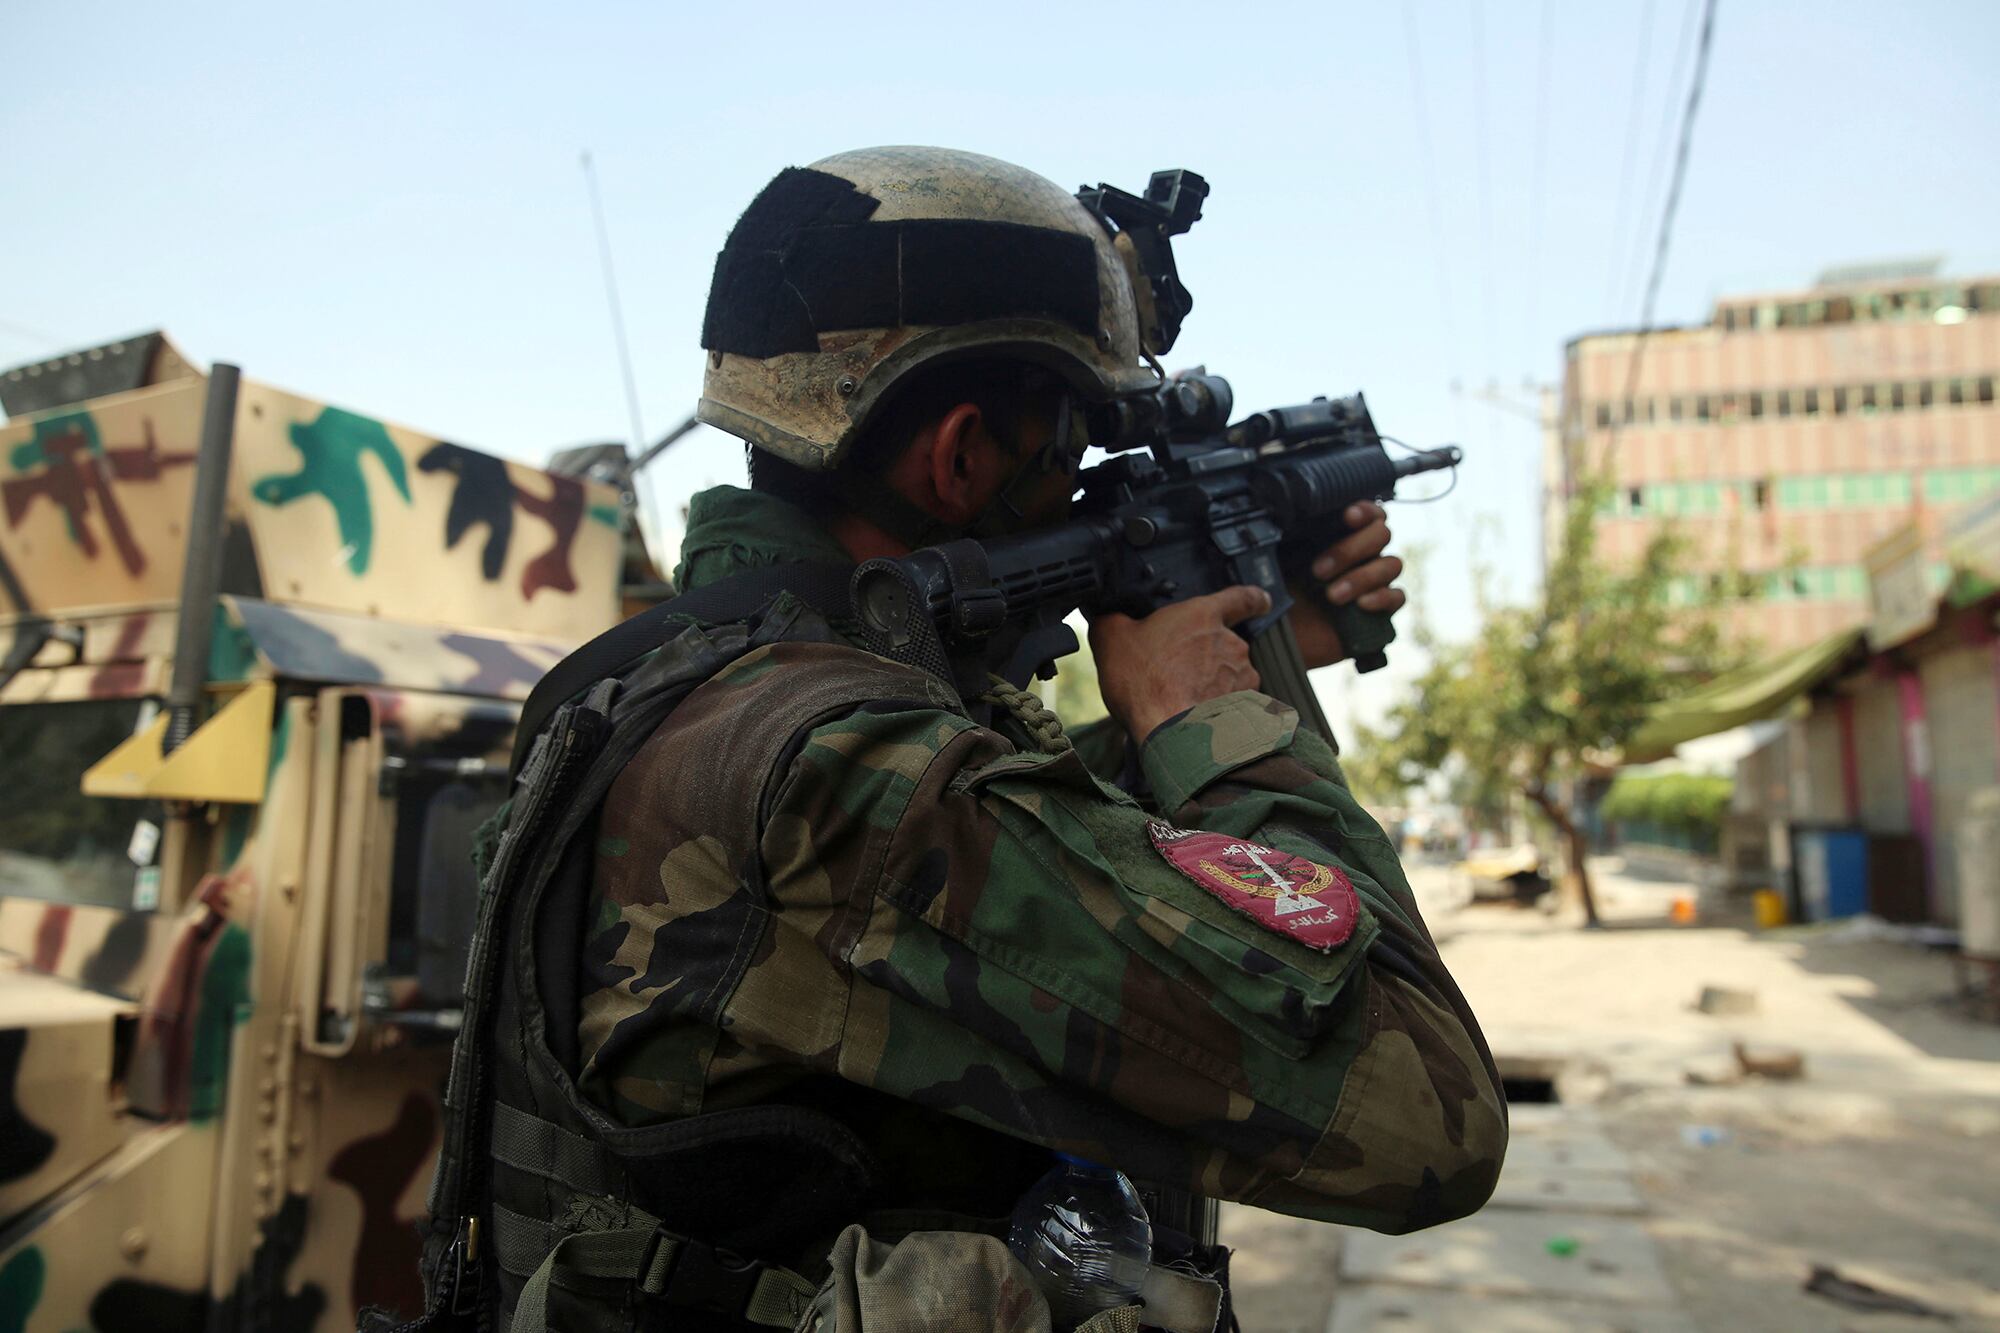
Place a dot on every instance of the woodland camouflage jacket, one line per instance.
(819, 872)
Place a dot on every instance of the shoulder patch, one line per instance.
(1286, 894)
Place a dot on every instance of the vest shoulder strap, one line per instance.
(822, 587)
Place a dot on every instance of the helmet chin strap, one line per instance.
(916, 527)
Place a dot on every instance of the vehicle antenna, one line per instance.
(611, 299)
(649, 525)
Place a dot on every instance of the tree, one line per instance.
(1373, 775)
(1541, 691)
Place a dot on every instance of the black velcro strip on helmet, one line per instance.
(804, 260)
(957, 271)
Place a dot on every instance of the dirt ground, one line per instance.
(1882, 1162)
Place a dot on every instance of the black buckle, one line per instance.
(700, 1276)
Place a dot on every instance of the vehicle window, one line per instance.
(55, 842)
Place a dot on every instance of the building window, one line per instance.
(1784, 397)
(1756, 406)
(1926, 393)
(1868, 399)
(1985, 388)
(1603, 415)
(1676, 408)
(1958, 484)
(1704, 408)
(1762, 493)
(1955, 393)
(1804, 492)
(1811, 407)
(1840, 401)
(1895, 397)
(1635, 500)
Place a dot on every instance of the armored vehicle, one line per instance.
(260, 663)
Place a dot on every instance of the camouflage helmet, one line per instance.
(843, 277)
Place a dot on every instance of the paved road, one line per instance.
(1562, 1246)
(1654, 1232)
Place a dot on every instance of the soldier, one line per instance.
(848, 955)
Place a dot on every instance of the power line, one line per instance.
(1683, 48)
(1485, 183)
(1418, 104)
(1705, 43)
(1631, 153)
(1537, 196)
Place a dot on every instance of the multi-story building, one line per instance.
(1787, 435)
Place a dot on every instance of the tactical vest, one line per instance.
(544, 1212)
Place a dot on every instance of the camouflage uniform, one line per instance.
(820, 881)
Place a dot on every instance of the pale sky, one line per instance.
(381, 206)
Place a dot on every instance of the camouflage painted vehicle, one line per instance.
(229, 969)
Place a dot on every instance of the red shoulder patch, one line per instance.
(1286, 894)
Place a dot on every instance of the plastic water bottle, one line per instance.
(1084, 1235)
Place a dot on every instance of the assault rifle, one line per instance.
(1190, 505)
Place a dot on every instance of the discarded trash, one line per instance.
(1868, 927)
(1562, 1247)
(1770, 908)
(1776, 1062)
(1703, 1136)
(1722, 1000)
(1717, 1073)
(1860, 1296)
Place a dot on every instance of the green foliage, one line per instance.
(1688, 803)
(1373, 775)
(1073, 695)
(1541, 692)
(1542, 689)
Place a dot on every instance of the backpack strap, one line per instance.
(738, 597)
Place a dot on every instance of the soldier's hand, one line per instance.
(1184, 654)
(1355, 570)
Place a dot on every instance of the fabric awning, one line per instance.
(1748, 694)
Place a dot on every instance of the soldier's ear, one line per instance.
(960, 455)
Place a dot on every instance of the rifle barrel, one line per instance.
(1429, 460)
